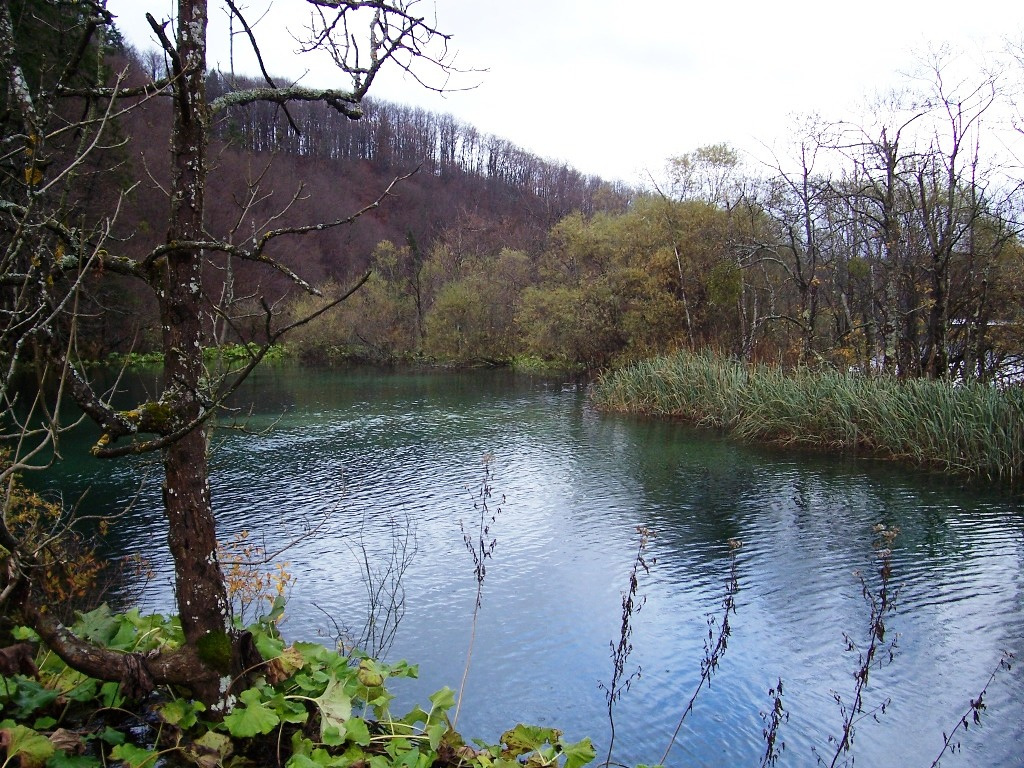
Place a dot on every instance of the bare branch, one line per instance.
(345, 102)
(302, 230)
(259, 58)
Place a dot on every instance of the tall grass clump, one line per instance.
(969, 429)
(696, 388)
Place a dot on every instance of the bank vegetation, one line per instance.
(968, 429)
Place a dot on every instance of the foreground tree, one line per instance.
(61, 111)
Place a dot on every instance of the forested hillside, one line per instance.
(460, 190)
(889, 244)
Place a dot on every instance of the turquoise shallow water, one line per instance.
(368, 454)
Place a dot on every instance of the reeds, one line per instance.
(969, 429)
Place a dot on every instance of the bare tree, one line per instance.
(59, 121)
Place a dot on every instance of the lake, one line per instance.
(369, 455)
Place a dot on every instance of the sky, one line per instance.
(616, 87)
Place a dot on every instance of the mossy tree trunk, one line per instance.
(177, 277)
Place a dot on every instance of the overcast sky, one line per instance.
(615, 87)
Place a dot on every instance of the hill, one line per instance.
(472, 193)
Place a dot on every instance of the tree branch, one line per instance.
(259, 58)
(345, 102)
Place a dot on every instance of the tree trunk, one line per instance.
(201, 593)
(937, 365)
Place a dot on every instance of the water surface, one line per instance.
(374, 453)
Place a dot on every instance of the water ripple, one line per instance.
(378, 455)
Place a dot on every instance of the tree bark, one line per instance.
(192, 538)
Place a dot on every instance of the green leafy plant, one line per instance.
(135, 359)
(310, 706)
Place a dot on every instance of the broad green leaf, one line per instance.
(22, 634)
(313, 653)
(63, 760)
(302, 745)
(255, 717)
(302, 761)
(405, 669)
(332, 735)
(111, 736)
(380, 702)
(134, 757)
(126, 638)
(414, 759)
(31, 697)
(52, 665)
(110, 694)
(398, 747)
(335, 706)
(155, 630)
(528, 738)
(276, 611)
(577, 753)
(289, 710)
(435, 733)
(416, 715)
(358, 731)
(98, 625)
(32, 748)
(482, 746)
(443, 700)
(318, 758)
(269, 647)
(542, 757)
(339, 665)
(8, 689)
(78, 687)
(181, 712)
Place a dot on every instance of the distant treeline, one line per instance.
(397, 138)
(890, 245)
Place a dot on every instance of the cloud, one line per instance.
(615, 88)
